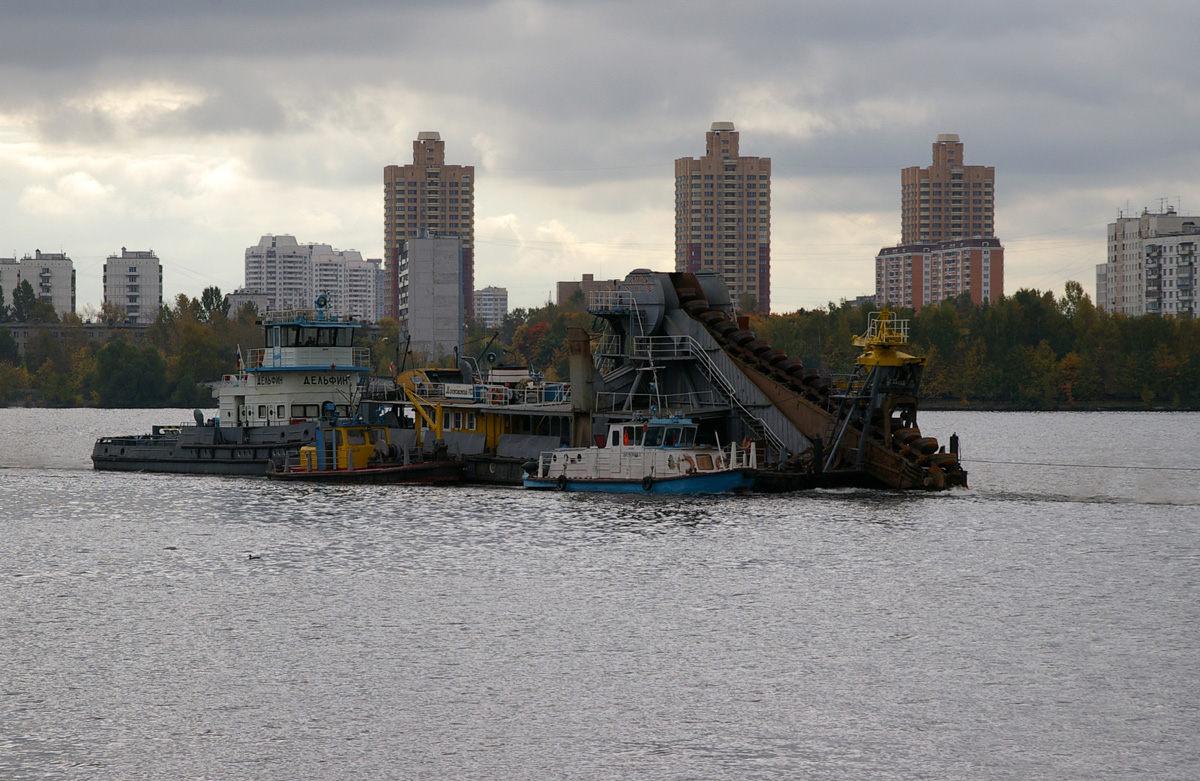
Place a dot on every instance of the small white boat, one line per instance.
(659, 456)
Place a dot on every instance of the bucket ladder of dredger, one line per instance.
(882, 370)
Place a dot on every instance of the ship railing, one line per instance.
(541, 395)
(610, 301)
(257, 358)
(886, 329)
(661, 402)
(283, 316)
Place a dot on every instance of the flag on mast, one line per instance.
(239, 357)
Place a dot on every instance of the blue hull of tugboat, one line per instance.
(720, 483)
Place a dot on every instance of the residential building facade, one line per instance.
(949, 199)
(291, 275)
(430, 294)
(1151, 265)
(491, 305)
(10, 277)
(948, 244)
(244, 295)
(52, 277)
(430, 196)
(133, 282)
(587, 285)
(723, 217)
(917, 275)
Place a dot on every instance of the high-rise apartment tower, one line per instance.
(723, 217)
(948, 246)
(424, 199)
(947, 200)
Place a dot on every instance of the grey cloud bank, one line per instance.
(194, 128)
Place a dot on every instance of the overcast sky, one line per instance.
(193, 127)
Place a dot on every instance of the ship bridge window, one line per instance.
(632, 435)
(352, 436)
(654, 436)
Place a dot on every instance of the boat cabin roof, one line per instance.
(656, 432)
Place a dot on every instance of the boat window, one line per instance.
(672, 438)
(308, 336)
(654, 436)
(356, 436)
(305, 410)
(280, 411)
(377, 435)
(616, 437)
(704, 462)
(290, 336)
(262, 410)
(689, 437)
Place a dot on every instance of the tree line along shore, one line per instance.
(1029, 351)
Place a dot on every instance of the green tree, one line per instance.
(129, 376)
(15, 382)
(212, 302)
(9, 352)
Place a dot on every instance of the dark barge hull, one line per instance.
(202, 450)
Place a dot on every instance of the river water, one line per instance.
(1044, 623)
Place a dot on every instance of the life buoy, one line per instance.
(691, 465)
(561, 483)
(496, 396)
(647, 483)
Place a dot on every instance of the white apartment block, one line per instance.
(133, 282)
(430, 294)
(51, 274)
(1151, 265)
(491, 305)
(10, 277)
(291, 275)
(1170, 265)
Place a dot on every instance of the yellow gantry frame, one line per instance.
(880, 343)
(436, 422)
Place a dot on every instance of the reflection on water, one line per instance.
(492, 633)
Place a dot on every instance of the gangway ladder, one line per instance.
(717, 379)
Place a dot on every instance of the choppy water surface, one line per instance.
(1043, 624)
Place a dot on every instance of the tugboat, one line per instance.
(349, 452)
(659, 456)
(309, 371)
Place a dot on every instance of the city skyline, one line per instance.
(176, 126)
